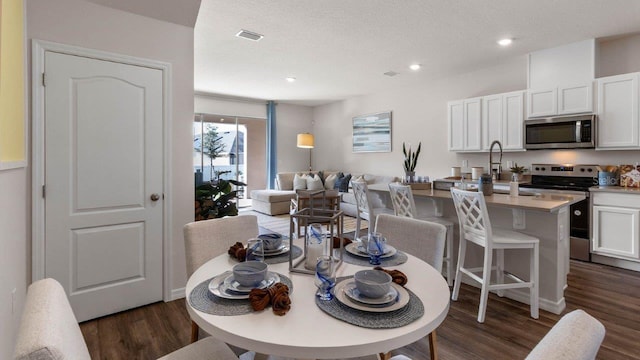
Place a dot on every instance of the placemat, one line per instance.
(374, 320)
(201, 299)
(398, 259)
(282, 258)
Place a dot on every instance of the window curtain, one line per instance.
(271, 144)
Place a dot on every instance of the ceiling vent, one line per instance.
(391, 73)
(249, 35)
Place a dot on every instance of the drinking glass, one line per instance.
(376, 247)
(325, 277)
(255, 250)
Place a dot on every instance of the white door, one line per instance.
(103, 166)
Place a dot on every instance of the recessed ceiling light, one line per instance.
(291, 79)
(505, 42)
(415, 67)
(249, 35)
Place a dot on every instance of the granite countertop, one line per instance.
(548, 202)
(615, 189)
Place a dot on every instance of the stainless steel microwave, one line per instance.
(567, 132)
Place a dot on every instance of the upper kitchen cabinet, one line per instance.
(502, 120)
(560, 80)
(465, 124)
(618, 112)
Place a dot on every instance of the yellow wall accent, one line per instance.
(12, 86)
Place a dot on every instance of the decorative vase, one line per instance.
(517, 177)
(410, 176)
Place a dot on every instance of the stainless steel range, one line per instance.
(569, 178)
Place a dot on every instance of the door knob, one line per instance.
(155, 197)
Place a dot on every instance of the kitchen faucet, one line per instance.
(498, 171)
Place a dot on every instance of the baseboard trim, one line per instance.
(177, 294)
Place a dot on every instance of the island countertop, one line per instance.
(548, 202)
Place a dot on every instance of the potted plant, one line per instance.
(214, 199)
(410, 161)
(517, 171)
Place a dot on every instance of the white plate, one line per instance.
(230, 283)
(353, 250)
(352, 292)
(282, 249)
(402, 301)
(217, 287)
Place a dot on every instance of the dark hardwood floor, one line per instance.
(609, 294)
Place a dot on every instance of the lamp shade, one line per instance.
(305, 141)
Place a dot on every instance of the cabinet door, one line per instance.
(618, 111)
(491, 120)
(615, 232)
(575, 99)
(512, 120)
(473, 124)
(456, 125)
(542, 102)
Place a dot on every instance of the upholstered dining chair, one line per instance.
(50, 331)
(404, 205)
(577, 336)
(364, 210)
(420, 238)
(204, 240)
(475, 227)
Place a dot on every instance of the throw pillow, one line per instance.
(314, 183)
(321, 175)
(285, 181)
(342, 183)
(330, 181)
(300, 182)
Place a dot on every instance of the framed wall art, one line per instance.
(372, 133)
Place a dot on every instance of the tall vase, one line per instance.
(410, 176)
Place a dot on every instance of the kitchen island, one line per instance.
(543, 215)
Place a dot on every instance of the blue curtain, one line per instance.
(271, 144)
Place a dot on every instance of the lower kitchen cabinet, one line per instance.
(616, 225)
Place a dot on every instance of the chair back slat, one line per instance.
(361, 193)
(402, 199)
(472, 216)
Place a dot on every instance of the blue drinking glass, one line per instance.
(376, 248)
(325, 277)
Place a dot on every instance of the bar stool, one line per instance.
(475, 227)
(363, 206)
(404, 205)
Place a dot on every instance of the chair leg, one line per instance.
(384, 356)
(500, 271)
(486, 278)
(534, 268)
(461, 254)
(433, 345)
(357, 234)
(194, 331)
(450, 255)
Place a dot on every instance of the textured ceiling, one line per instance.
(181, 12)
(338, 49)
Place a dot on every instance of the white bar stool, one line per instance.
(475, 227)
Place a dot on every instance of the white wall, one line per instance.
(93, 26)
(14, 253)
(420, 114)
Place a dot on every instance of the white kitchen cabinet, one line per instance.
(465, 124)
(616, 225)
(618, 112)
(502, 120)
(561, 100)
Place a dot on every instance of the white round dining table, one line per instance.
(306, 332)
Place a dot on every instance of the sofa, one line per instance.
(277, 201)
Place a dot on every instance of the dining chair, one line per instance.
(420, 238)
(204, 240)
(404, 205)
(49, 330)
(577, 336)
(364, 210)
(475, 227)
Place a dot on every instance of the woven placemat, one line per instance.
(398, 259)
(282, 258)
(202, 300)
(374, 320)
